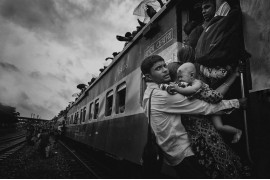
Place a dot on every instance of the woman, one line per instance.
(213, 154)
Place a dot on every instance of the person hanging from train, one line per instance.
(194, 32)
(220, 44)
(208, 12)
(220, 48)
(199, 132)
(188, 85)
(166, 114)
(208, 9)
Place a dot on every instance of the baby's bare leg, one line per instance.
(218, 124)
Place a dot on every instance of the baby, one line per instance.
(188, 85)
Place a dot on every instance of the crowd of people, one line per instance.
(195, 100)
(42, 138)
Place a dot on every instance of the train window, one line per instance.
(71, 119)
(90, 110)
(84, 113)
(76, 117)
(81, 116)
(120, 98)
(109, 103)
(96, 108)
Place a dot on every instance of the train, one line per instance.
(108, 115)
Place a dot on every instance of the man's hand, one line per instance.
(243, 103)
(171, 90)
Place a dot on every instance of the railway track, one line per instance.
(88, 166)
(10, 144)
(101, 165)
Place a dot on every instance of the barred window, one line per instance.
(121, 98)
(96, 109)
(90, 111)
(109, 103)
(84, 113)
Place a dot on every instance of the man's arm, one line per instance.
(179, 104)
(188, 90)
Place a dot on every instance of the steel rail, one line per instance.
(81, 161)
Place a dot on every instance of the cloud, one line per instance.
(36, 75)
(26, 107)
(65, 94)
(48, 47)
(8, 67)
(59, 77)
(39, 15)
(3, 91)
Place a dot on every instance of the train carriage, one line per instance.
(108, 115)
(114, 120)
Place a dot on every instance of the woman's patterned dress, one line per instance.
(217, 158)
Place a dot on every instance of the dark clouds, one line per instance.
(66, 20)
(39, 16)
(40, 110)
(27, 105)
(48, 47)
(32, 14)
(48, 16)
(8, 67)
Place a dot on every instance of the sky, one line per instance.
(48, 47)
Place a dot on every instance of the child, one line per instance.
(188, 85)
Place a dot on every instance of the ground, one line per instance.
(27, 163)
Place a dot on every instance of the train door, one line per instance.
(254, 146)
(192, 12)
(257, 36)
